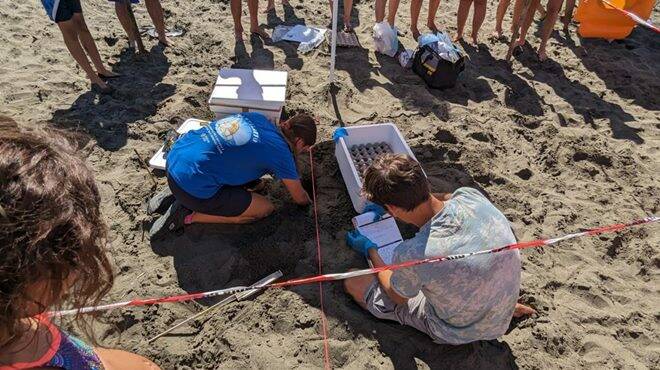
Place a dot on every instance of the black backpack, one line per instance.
(437, 72)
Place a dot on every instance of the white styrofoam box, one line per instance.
(365, 134)
(223, 111)
(158, 161)
(247, 88)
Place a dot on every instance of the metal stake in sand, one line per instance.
(144, 164)
(333, 46)
(234, 297)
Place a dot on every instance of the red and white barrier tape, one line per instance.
(346, 275)
(633, 16)
(319, 257)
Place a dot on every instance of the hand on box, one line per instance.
(376, 209)
(359, 242)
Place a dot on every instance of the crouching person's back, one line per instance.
(456, 301)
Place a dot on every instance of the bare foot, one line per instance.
(519, 43)
(104, 73)
(542, 55)
(475, 40)
(238, 33)
(165, 41)
(497, 34)
(347, 25)
(415, 33)
(259, 32)
(521, 310)
(431, 25)
(458, 38)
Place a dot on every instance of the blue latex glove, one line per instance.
(359, 242)
(375, 208)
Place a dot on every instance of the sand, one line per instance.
(573, 142)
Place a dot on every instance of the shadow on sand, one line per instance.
(137, 94)
(210, 257)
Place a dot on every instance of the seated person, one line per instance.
(53, 246)
(211, 171)
(453, 302)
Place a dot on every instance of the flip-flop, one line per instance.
(151, 31)
(100, 90)
(109, 77)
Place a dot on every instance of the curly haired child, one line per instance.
(52, 243)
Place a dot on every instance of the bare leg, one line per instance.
(357, 287)
(70, 31)
(541, 11)
(433, 10)
(527, 21)
(348, 7)
(259, 208)
(391, 11)
(519, 12)
(554, 7)
(156, 14)
(461, 18)
(568, 13)
(236, 10)
(415, 8)
(125, 21)
(89, 45)
(253, 8)
(270, 6)
(478, 19)
(525, 9)
(380, 10)
(499, 17)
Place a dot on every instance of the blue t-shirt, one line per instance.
(232, 151)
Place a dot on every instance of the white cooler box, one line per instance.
(158, 161)
(386, 133)
(246, 90)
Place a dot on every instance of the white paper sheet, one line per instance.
(385, 233)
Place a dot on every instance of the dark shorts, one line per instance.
(229, 201)
(67, 9)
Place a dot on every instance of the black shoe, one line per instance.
(171, 222)
(160, 201)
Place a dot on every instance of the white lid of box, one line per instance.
(246, 87)
(159, 160)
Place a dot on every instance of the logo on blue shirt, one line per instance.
(232, 131)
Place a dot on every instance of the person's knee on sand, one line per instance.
(357, 287)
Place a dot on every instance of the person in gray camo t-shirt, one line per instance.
(453, 302)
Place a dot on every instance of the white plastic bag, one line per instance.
(385, 39)
(406, 58)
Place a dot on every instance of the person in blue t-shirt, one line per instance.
(213, 172)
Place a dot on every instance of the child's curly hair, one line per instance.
(51, 230)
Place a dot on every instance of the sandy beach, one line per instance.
(570, 143)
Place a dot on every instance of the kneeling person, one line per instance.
(453, 302)
(213, 170)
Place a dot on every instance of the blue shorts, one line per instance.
(61, 10)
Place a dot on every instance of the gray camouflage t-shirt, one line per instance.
(468, 299)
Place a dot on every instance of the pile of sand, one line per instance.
(569, 143)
